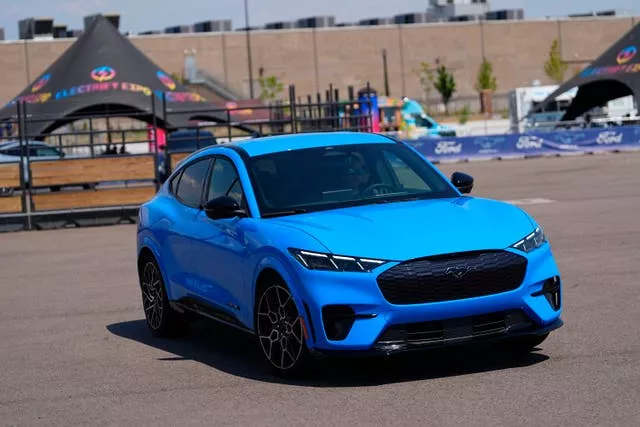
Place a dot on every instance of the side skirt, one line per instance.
(204, 309)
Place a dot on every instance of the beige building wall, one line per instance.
(313, 59)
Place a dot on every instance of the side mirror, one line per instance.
(462, 181)
(223, 207)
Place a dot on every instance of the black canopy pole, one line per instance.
(22, 166)
(155, 140)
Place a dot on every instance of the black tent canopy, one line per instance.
(615, 74)
(103, 73)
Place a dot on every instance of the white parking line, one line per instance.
(534, 201)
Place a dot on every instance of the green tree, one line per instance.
(554, 66)
(486, 80)
(270, 87)
(486, 84)
(464, 114)
(426, 75)
(445, 84)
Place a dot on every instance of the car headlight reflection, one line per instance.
(330, 262)
(531, 242)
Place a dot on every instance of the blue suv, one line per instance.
(341, 243)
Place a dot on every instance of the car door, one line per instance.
(181, 265)
(220, 244)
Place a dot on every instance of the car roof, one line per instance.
(274, 144)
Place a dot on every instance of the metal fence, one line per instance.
(99, 168)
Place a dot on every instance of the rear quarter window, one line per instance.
(190, 185)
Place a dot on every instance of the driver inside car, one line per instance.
(360, 179)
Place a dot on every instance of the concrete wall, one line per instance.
(312, 59)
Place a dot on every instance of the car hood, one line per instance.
(407, 230)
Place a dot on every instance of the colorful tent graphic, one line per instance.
(103, 72)
(615, 74)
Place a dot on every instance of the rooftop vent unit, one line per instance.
(410, 18)
(178, 29)
(316, 22)
(35, 28)
(505, 15)
(375, 21)
(215, 26)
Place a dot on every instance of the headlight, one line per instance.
(531, 242)
(330, 262)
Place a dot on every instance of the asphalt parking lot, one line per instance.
(74, 349)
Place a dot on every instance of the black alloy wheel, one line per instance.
(280, 330)
(162, 320)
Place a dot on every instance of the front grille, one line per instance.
(462, 328)
(452, 277)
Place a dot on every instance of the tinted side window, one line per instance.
(173, 183)
(11, 151)
(225, 181)
(189, 189)
(43, 152)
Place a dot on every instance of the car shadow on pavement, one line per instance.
(238, 354)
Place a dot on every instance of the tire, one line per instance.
(523, 344)
(161, 318)
(280, 331)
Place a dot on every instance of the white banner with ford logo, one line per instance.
(530, 144)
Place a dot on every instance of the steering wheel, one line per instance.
(383, 187)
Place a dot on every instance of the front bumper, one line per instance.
(404, 346)
(347, 312)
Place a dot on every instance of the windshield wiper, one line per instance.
(396, 200)
(284, 213)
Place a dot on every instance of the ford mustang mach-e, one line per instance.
(341, 243)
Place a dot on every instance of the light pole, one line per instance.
(26, 61)
(385, 72)
(246, 23)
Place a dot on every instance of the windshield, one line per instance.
(342, 176)
(423, 121)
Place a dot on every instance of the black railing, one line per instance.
(109, 147)
(294, 115)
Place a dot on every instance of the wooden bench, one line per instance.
(80, 171)
(10, 178)
(93, 198)
(65, 172)
(11, 204)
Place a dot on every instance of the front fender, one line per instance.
(273, 259)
